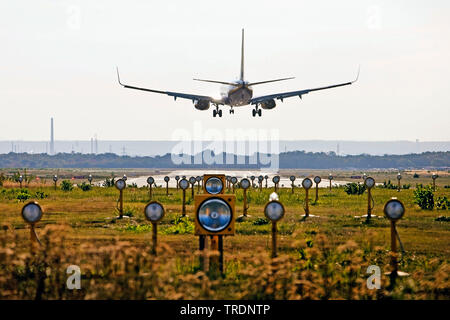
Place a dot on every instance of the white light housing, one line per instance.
(32, 212)
(154, 211)
(234, 180)
(260, 178)
(245, 183)
(184, 184)
(330, 177)
(434, 176)
(276, 179)
(90, 178)
(369, 182)
(274, 210)
(214, 214)
(292, 178)
(317, 179)
(394, 209)
(166, 179)
(177, 178)
(55, 178)
(192, 180)
(124, 177)
(399, 176)
(120, 184)
(20, 178)
(214, 185)
(150, 180)
(198, 178)
(307, 183)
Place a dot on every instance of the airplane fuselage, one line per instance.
(236, 96)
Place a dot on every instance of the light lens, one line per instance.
(55, 178)
(369, 182)
(150, 180)
(177, 178)
(292, 178)
(198, 178)
(307, 183)
(192, 180)
(260, 178)
(276, 179)
(245, 183)
(166, 179)
(214, 214)
(154, 211)
(317, 179)
(184, 184)
(32, 212)
(214, 185)
(394, 209)
(233, 180)
(120, 184)
(274, 210)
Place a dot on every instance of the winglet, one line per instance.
(118, 77)
(357, 76)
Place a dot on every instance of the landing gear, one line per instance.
(217, 112)
(256, 111)
(231, 110)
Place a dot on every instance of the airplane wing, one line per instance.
(175, 95)
(299, 93)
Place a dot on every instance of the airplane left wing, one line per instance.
(175, 95)
(299, 93)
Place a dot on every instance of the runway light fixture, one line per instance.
(292, 178)
(260, 180)
(150, 181)
(317, 180)
(306, 184)
(177, 178)
(253, 179)
(184, 184)
(369, 183)
(394, 211)
(198, 178)
(274, 211)
(434, 177)
(167, 179)
(213, 185)
(245, 184)
(32, 213)
(55, 180)
(90, 179)
(154, 212)
(330, 177)
(192, 182)
(20, 181)
(399, 177)
(120, 185)
(266, 177)
(364, 177)
(276, 180)
(124, 177)
(233, 181)
(228, 179)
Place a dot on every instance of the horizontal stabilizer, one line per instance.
(268, 81)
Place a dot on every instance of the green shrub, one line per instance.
(442, 203)
(66, 185)
(23, 195)
(40, 195)
(181, 225)
(354, 188)
(109, 182)
(260, 221)
(424, 197)
(415, 176)
(85, 186)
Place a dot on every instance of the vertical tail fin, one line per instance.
(242, 57)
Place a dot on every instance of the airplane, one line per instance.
(237, 93)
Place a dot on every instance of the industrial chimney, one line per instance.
(52, 138)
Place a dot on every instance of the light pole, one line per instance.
(177, 178)
(399, 177)
(233, 181)
(150, 181)
(292, 178)
(317, 180)
(274, 211)
(184, 184)
(120, 185)
(154, 212)
(330, 177)
(370, 183)
(306, 184)
(167, 179)
(192, 181)
(245, 184)
(55, 180)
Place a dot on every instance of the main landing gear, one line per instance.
(256, 111)
(231, 110)
(217, 112)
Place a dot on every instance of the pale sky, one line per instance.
(58, 58)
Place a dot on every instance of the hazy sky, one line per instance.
(58, 58)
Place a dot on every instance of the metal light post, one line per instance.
(399, 177)
(192, 182)
(330, 177)
(317, 180)
(260, 180)
(434, 177)
(370, 183)
(275, 181)
(20, 181)
(177, 178)
(292, 178)
(120, 185)
(55, 180)
(306, 184)
(150, 181)
(266, 177)
(274, 211)
(90, 179)
(245, 184)
(32, 213)
(233, 181)
(154, 212)
(184, 184)
(167, 179)
(198, 178)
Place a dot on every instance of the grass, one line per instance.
(90, 218)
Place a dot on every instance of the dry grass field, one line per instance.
(324, 257)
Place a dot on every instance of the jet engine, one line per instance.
(269, 104)
(202, 105)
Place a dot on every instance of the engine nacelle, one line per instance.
(269, 104)
(202, 105)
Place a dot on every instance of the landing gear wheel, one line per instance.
(231, 111)
(259, 112)
(254, 112)
(214, 113)
(220, 113)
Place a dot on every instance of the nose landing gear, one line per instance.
(256, 111)
(231, 110)
(217, 112)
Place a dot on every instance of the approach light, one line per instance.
(90, 178)
(399, 176)
(120, 184)
(124, 177)
(317, 179)
(274, 210)
(394, 209)
(276, 179)
(32, 212)
(150, 181)
(154, 211)
(292, 178)
(166, 179)
(20, 178)
(245, 183)
(233, 180)
(369, 182)
(198, 178)
(213, 185)
(214, 215)
(434, 176)
(307, 183)
(192, 180)
(184, 184)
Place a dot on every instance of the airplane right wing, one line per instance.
(299, 93)
(175, 95)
